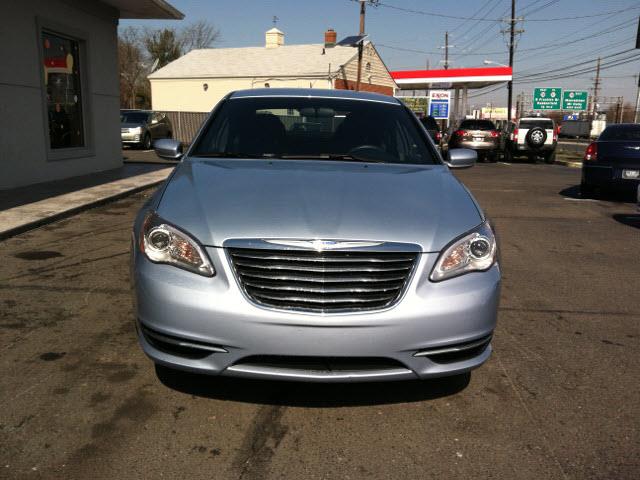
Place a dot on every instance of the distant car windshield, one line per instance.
(133, 117)
(624, 132)
(314, 128)
(542, 123)
(477, 125)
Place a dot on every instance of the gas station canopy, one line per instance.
(469, 78)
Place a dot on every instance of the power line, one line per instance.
(602, 14)
(563, 68)
(494, 20)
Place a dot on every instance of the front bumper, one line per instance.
(129, 138)
(214, 312)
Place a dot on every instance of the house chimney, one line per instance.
(274, 38)
(330, 37)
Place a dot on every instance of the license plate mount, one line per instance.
(631, 174)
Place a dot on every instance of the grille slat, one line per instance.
(324, 258)
(324, 282)
(344, 288)
(300, 266)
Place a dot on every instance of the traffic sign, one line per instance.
(575, 100)
(439, 103)
(547, 98)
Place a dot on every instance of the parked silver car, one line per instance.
(139, 128)
(315, 235)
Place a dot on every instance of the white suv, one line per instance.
(532, 137)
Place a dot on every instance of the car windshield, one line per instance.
(314, 128)
(627, 132)
(133, 117)
(477, 125)
(529, 124)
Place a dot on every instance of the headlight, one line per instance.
(163, 243)
(137, 130)
(475, 251)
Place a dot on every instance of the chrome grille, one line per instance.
(324, 282)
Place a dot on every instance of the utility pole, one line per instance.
(635, 117)
(596, 88)
(446, 50)
(512, 39)
(363, 10)
(512, 31)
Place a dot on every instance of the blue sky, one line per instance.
(545, 45)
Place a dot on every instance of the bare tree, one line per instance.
(163, 45)
(131, 63)
(141, 51)
(200, 34)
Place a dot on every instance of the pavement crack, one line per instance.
(260, 443)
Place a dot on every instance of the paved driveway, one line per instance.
(558, 399)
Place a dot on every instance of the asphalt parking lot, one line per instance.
(559, 399)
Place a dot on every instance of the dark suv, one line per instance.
(479, 135)
(431, 125)
(138, 128)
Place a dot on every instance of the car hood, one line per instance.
(218, 200)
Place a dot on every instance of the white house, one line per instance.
(198, 80)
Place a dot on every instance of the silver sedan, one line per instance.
(315, 235)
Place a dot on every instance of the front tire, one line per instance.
(508, 155)
(587, 190)
(146, 142)
(550, 157)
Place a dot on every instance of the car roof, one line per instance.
(315, 93)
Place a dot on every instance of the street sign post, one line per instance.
(576, 100)
(439, 104)
(547, 98)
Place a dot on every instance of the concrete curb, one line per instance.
(61, 214)
(569, 163)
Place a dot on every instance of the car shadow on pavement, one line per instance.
(626, 219)
(310, 395)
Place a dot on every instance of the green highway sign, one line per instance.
(575, 100)
(547, 98)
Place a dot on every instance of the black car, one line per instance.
(431, 125)
(138, 128)
(613, 160)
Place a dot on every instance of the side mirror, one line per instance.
(461, 158)
(154, 121)
(168, 148)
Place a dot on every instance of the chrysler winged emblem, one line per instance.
(322, 245)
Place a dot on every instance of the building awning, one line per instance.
(451, 78)
(145, 9)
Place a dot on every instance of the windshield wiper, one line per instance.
(331, 156)
(233, 155)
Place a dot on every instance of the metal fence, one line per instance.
(186, 124)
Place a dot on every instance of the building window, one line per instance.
(62, 80)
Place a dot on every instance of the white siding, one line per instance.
(188, 95)
(377, 75)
